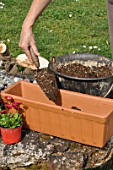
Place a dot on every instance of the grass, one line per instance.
(64, 27)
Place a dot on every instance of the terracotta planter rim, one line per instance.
(10, 128)
(64, 110)
(71, 92)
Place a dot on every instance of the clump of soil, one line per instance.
(46, 80)
(76, 108)
(82, 71)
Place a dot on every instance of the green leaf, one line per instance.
(20, 68)
(10, 121)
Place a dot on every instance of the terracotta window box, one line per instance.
(92, 124)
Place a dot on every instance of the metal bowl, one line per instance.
(95, 86)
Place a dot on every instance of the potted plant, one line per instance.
(10, 121)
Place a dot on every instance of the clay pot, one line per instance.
(11, 135)
(75, 116)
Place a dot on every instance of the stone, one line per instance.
(43, 62)
(38, 150)
(1, 86)
(16, 79)
(5, 57)
(23, 60)
(9, 66)
(1, 63)
(28, 71)
(14, 70)
(35, 82)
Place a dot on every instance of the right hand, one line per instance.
(26, 41)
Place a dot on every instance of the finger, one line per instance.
(27, 52)
(35, 50)
(33, 45)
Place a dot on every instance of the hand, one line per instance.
(112, 65)
(26, 41)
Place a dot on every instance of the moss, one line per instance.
(73, 146)
(39, 166)
(45, 137)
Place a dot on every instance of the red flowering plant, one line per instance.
(8, 119)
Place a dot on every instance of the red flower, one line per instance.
(17, 103)
(8, 106)
(15, 106)
(9, 98)
(3, 111)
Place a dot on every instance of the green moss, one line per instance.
(39, 166)
(73, 146)
(45, 137)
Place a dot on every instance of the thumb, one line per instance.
(112, 65)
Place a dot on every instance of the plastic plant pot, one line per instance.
(75, 116)
(11, 135)
(94, 86)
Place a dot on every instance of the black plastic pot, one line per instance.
(94, 86)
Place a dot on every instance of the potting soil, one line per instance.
(46, 80)
(82, 71)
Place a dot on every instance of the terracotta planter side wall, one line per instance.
(16, 89)
(86, 103)
(68, 127)
(109, 131)
(58, 123)
(34, 92)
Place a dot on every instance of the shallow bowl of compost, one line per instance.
(84, 73)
